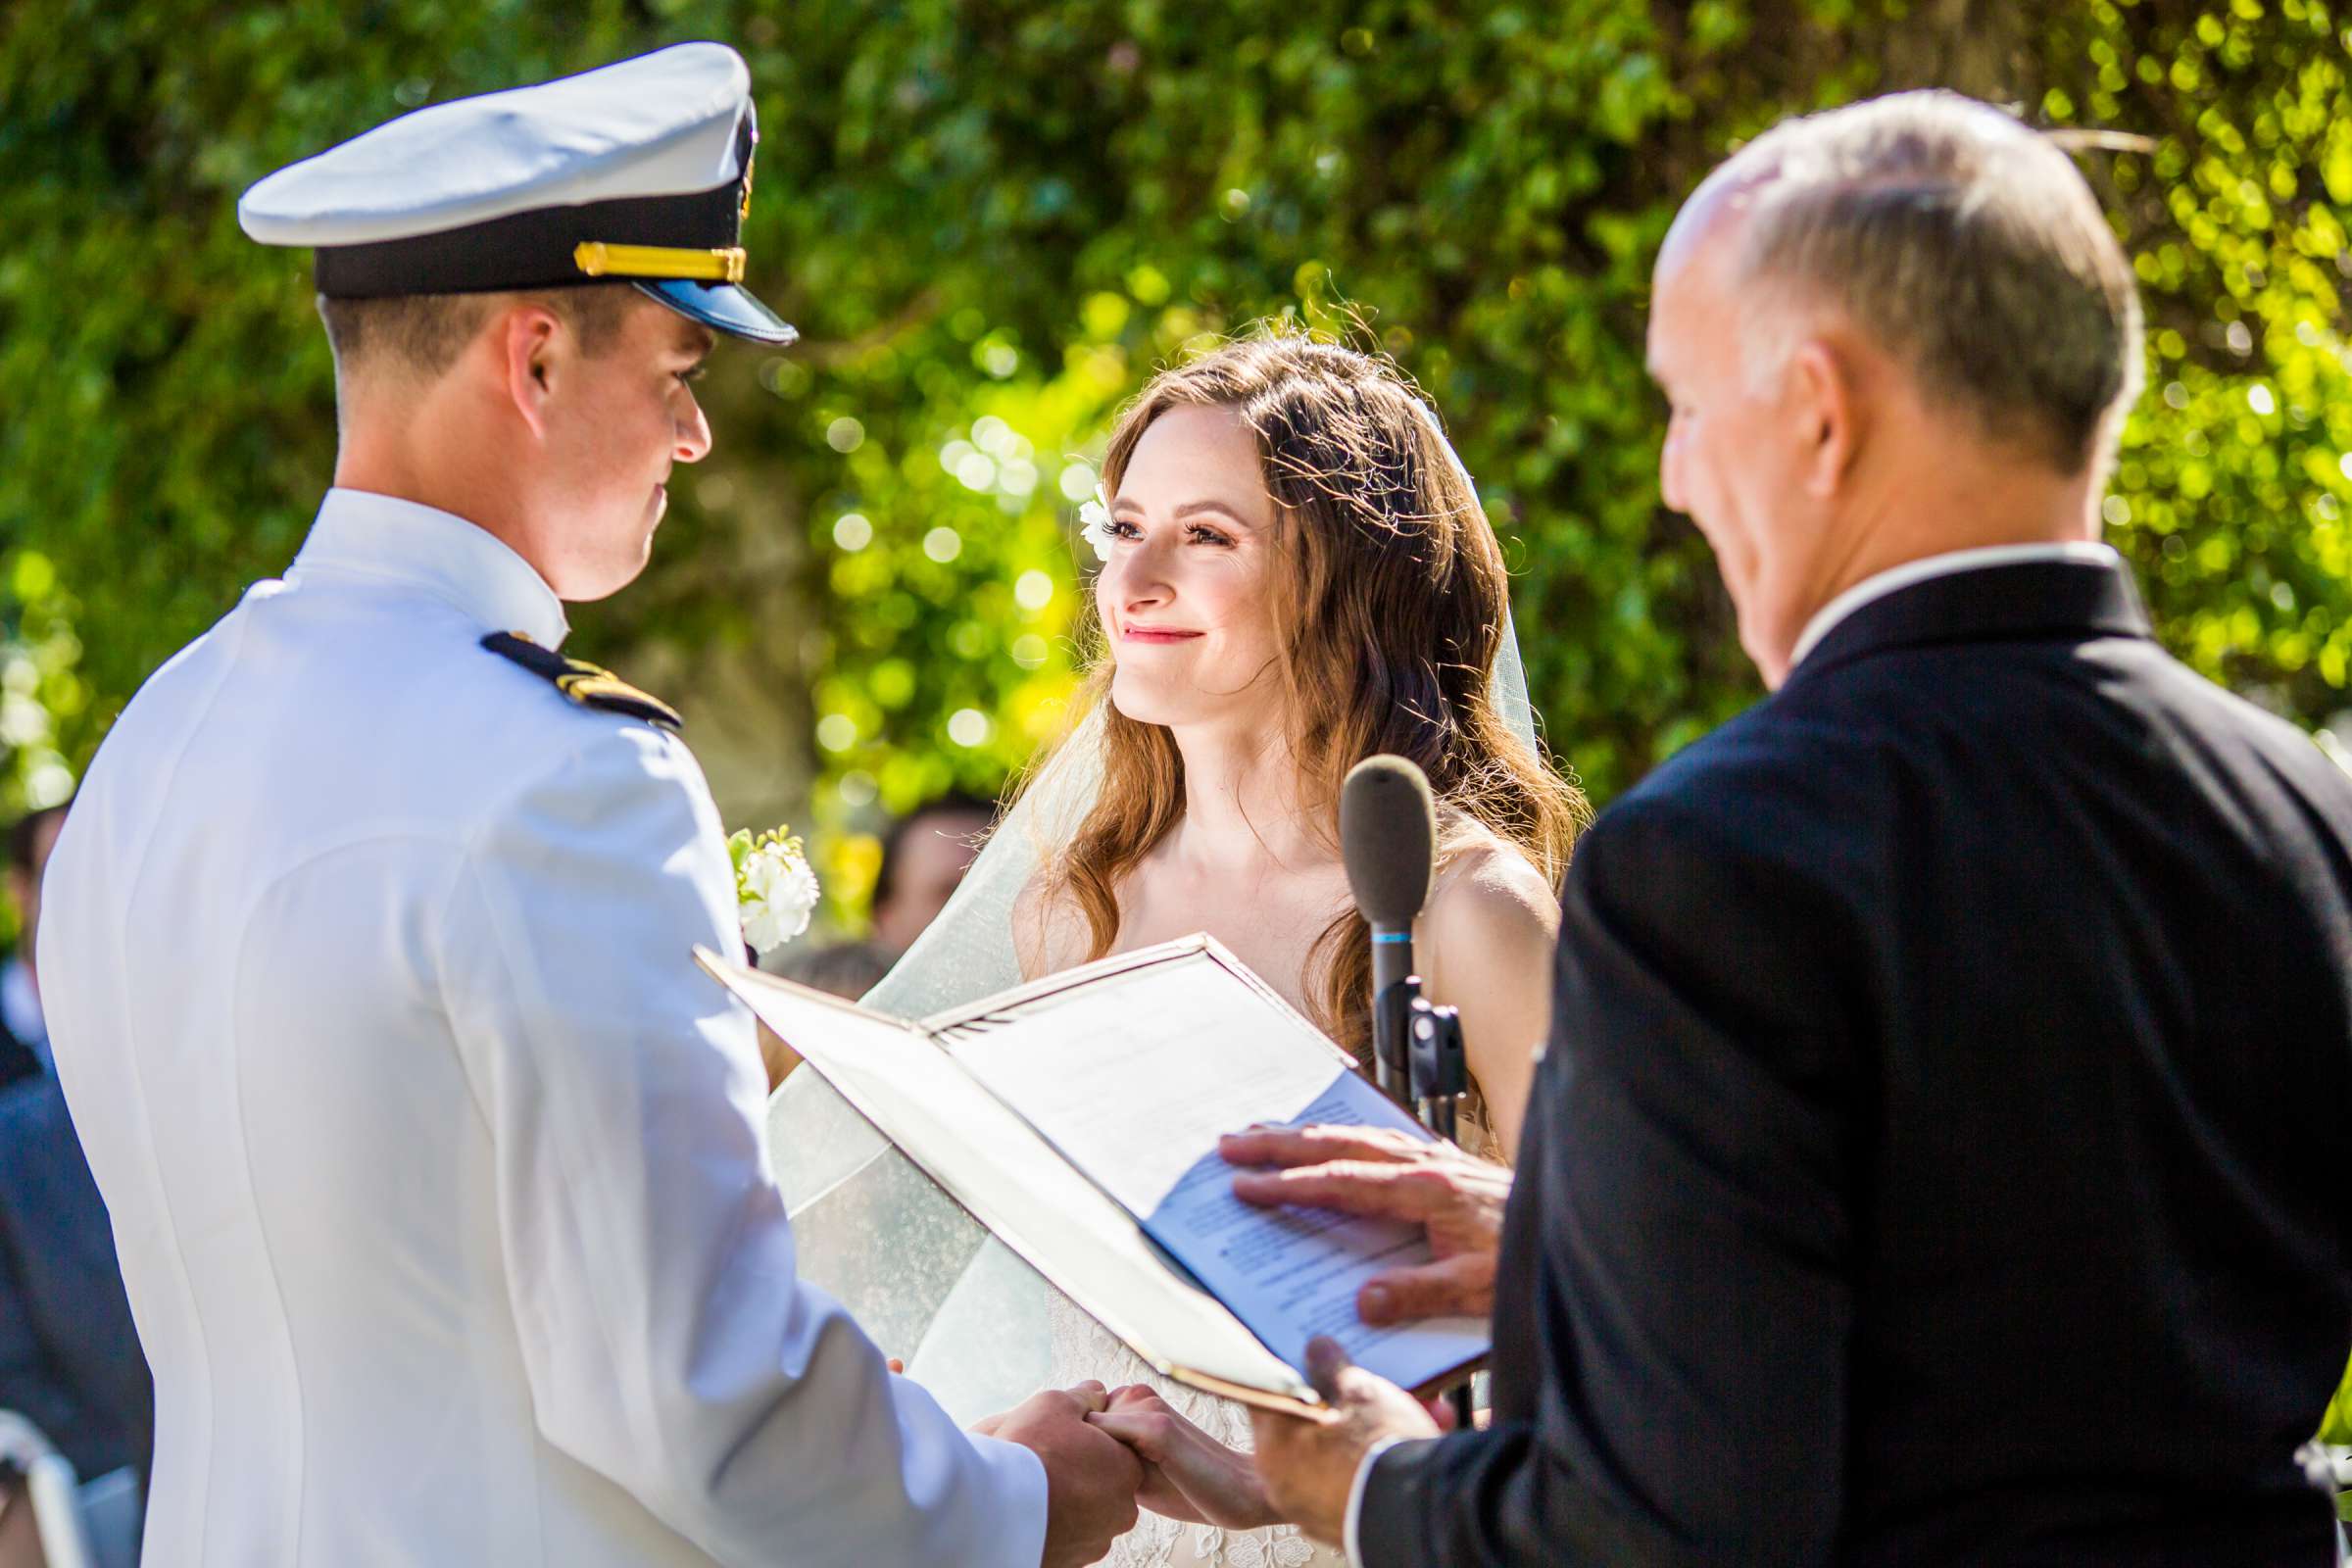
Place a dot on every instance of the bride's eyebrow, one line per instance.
(1219, 508)
(1189, 509)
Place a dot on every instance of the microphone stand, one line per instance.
(1391, 1047)
(1440, 1071)
(1437, 1072)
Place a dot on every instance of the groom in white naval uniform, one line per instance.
(433, 1161)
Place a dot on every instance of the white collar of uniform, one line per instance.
(360, 533)
(1895, 578)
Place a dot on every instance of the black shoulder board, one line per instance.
(589, 685)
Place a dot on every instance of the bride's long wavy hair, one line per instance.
(1386, 644)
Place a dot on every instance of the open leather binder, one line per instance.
(1077, 1118)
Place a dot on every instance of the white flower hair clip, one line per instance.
(1094, 523)
(775, 890)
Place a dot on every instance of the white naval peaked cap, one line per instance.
(638, 172)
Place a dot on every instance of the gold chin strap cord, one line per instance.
(597, 259)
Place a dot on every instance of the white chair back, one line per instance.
(50, 1484)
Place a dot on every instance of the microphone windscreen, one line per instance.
(1388, 837)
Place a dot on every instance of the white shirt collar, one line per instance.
(360, 533)
(1895, 578)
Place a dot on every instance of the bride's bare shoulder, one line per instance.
(1487, 891)
(1049, 929)
(1489, 931)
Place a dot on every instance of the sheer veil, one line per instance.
(966, 1314)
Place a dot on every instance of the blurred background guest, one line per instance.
(925, 856)
(837, 969)
(70, 1359)
(23, 1033)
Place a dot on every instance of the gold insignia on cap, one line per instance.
(597, 259)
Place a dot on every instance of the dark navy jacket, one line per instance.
(1940, 1154)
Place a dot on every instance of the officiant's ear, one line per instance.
(1827, 413)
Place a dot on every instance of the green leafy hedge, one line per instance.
(994, 219)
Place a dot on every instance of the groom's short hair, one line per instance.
(422, 334)
(1960, 240)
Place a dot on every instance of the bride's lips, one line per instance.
(1154, 636)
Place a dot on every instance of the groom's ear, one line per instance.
(530, 346)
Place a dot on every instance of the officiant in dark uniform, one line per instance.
(1937, 1157)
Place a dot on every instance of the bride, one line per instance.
(1295, 575)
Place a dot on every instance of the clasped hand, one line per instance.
(1092, 1480)
(1304, 1466)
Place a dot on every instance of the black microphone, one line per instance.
(1388, 841)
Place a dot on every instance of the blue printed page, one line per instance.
(1290, 1274)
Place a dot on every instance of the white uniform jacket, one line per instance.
(434, 1159)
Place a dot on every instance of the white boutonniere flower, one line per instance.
(1094, 521)
(775, 890)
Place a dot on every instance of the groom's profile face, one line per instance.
(617, 416)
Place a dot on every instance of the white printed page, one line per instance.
(1134, 1077)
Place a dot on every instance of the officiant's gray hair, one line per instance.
(1962, 241)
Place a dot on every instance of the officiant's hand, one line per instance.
(1188, 1474)
(1308, 1463)
(1091, 1476)
(1368, 1170)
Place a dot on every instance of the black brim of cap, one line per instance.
(727, 307)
